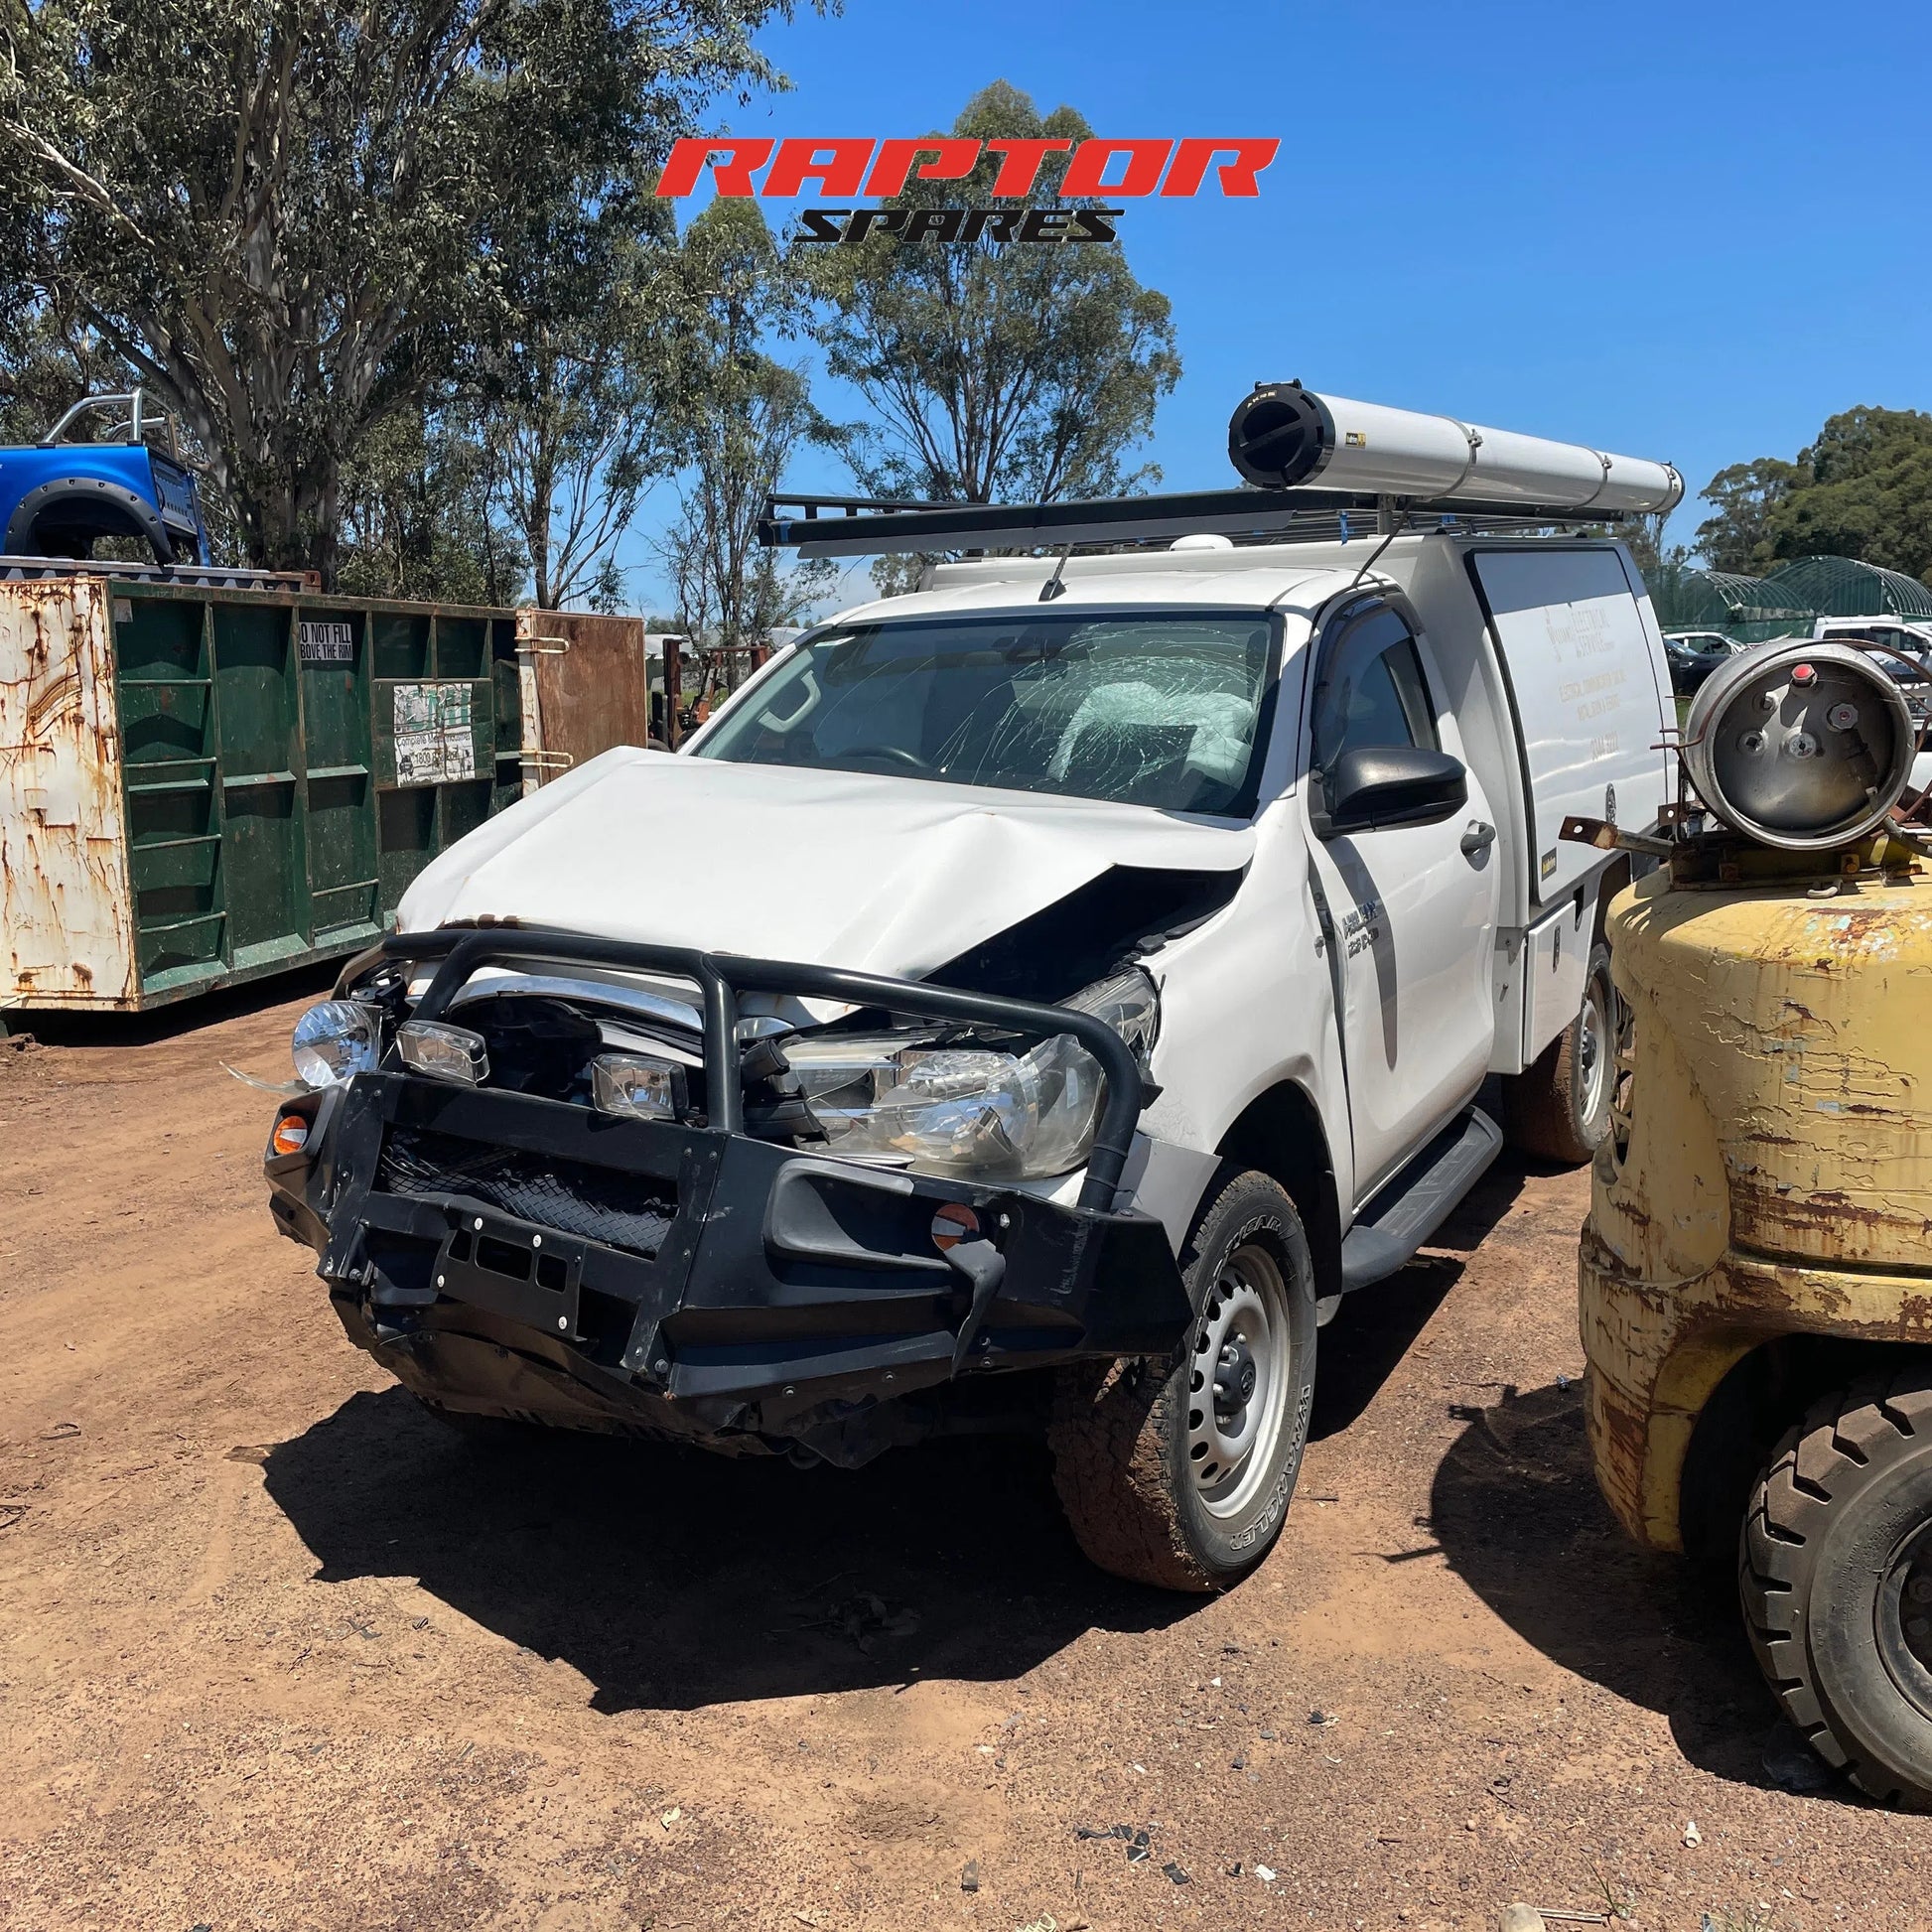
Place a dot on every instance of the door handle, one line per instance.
(1477, 837)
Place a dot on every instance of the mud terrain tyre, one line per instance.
(1559, 1108)
(1835, 1573)
(1178, 1472)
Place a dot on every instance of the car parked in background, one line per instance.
(1905, 650)
(1692, 655)
(1893, 635)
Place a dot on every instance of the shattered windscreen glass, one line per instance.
(1164, 709)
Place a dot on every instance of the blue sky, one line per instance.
(1686, 231)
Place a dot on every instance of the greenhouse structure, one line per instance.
(1841, 587)
(1747, 609)
(1784, 603)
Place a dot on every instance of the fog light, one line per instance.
(638, 1087)
(291, 1135)
(443, 1052)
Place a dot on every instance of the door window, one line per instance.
(1371, 691)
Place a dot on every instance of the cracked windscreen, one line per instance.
(1167, 710)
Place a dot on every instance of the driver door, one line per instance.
(1410, 910)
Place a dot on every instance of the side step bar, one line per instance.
(1415, 1202)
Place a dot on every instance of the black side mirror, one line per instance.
(1390, 784)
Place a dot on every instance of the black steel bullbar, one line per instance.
(722, 976)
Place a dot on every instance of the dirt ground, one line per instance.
(277, 1651)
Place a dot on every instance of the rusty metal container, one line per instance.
(585, 688)
(1769, 1169)
(201, 785)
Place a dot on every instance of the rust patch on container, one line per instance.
(66, 933)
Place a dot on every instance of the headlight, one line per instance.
(332, 1042)
(975, 1111)
(1130, 1003)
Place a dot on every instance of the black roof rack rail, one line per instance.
(867, 527)
(846, 505)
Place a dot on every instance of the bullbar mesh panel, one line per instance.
(621, 1210)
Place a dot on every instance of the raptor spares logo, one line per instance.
(1096, 173)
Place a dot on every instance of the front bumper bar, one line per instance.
(513, 1254)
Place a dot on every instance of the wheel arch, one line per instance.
(1280, 1132)
(1609, 882)
(97, 505)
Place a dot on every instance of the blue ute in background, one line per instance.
(57, 496)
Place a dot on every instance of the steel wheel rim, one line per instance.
(1238, 1382)
(1902, 1619)
(1592, 1047)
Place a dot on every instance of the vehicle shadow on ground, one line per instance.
(1371, 1333)
(1517, 1513)
(674, 1578)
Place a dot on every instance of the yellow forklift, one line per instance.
(1755, 1275)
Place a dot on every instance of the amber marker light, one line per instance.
(953, 1223)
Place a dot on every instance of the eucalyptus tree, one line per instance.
(1861, 488)
(290, 217)
(991, 370)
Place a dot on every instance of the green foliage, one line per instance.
(1737, 536)
(1869, 493)
(47, 362)
(1863, 489)
(418, 518)
(1643, 536)
(291, 222)
(1019, 370)
(587, 408)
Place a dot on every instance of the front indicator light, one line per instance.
(636, 1087)
(953, 1223)
(443, 1052)
(291, 1135)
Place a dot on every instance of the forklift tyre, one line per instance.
(1178, 1472)
(1559, 1108)
(1834, 1574)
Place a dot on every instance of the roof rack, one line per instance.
(864, 526)
(849, 505)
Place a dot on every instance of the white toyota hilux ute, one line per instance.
(1032, 1002)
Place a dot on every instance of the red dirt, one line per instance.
(277, 1651)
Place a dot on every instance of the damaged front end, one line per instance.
(571, 1179)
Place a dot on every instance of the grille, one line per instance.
(621, 1210)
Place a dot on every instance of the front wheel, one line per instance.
(1834, 1574)
(1178, 1473)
